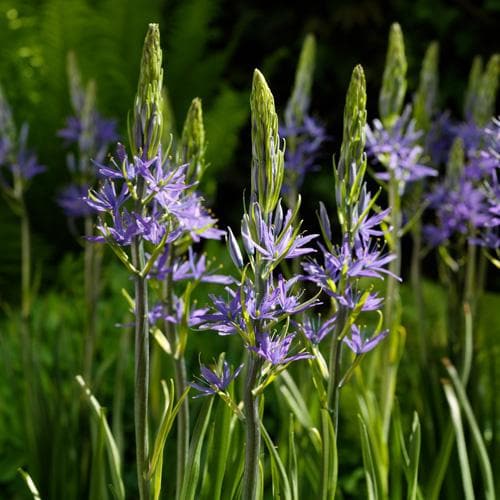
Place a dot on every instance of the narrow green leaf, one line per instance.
(30, 484)
(224, 431)
(369, 468)
(111, 448)
(168, 417)
(295, 400)
(292, 460)
(461, 443)
(373, 466)
(190, 481)
(279, 475)
(97, 474)
(414, 456)
(329, 468)
(484, 460)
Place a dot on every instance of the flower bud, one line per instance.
(145, 131)
(393, 89)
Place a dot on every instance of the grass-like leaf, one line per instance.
(112, 449)
(190, 481)
(484, 461)
(463, 457)
(30, 484)
(278, 470)
(330, 459)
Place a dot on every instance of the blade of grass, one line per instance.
(191, 477)
(484, 460)
(224, 433)
(292, 460)
(30, 484)
(111, 448)
(278, 470)
(371, 469)
(414, 455)
(461, 443)
(329, 469)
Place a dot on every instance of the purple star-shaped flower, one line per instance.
(361, 345)
(275, 349)
(213, 382)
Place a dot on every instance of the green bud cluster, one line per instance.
(193, 144)
(299, 101)
(267, 156)
(145, 130)
(393, 89)
(487, 92)
(456, 161)
(473, 85)
(350, 170)
(425, 101)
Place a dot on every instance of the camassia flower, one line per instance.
(275, 349)
(397, 149)
(193, 268)
(359, 344)
(316, 330)
(90, 135)
(274, 241)
(18, 160)
(213, 381)
(170, 209)
(304, 143)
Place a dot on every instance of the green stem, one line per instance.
(181, 383)
(141, 370)
(252, 431)
(182, 420)
(443, 458)
(91, 277)
(392, 310)
(334, 368)
(416, 281)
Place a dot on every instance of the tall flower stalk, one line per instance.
(92, 134)
(18, 166)
(393, 143)
(424, 111)
(146, 208)
(304, 136)
(261, 305)
(339, 276)
(144, 136)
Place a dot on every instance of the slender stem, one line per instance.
(470, 278)
(181, 384)
(141, 369)
(416, 281)
(182, 419)
(90, 285)
(30, 400)
(252, 431)
(334, 368)
(392, 309)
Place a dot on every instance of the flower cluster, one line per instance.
(168, 210)
(92, 135)
(304, 143)
(19, 161)
(215, 380)
(398, 150)
(339, 270)
(466, 202)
